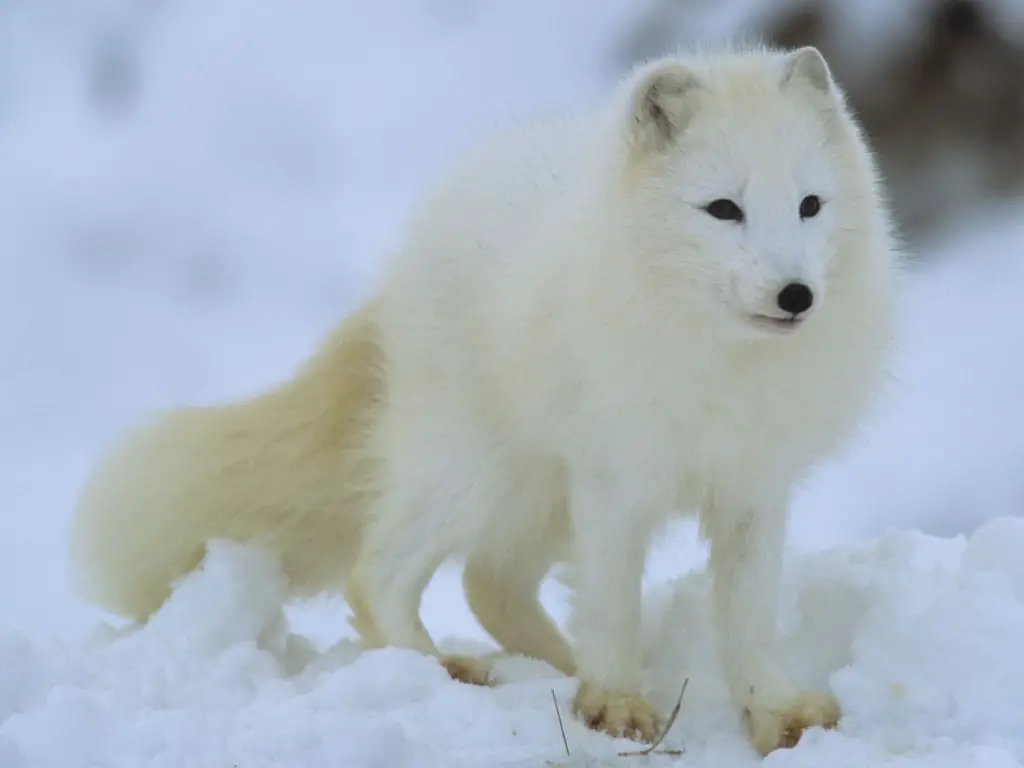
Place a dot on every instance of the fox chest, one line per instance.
(740, 432)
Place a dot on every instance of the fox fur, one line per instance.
(583, 335)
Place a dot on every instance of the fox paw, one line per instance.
(468, 669)
(770, 728)
(617, 714)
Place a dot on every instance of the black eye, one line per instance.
(723, 209)
(810, 206)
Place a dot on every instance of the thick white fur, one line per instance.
(568, 359)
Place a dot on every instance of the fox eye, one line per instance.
(725, 210)
(810, 206)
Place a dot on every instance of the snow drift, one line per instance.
(919, 637)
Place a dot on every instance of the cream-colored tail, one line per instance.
(288, 469)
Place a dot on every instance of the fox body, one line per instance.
(676, 303)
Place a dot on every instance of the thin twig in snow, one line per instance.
(561, 727)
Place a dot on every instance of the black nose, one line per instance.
(795, 298)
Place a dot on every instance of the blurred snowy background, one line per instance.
(193, 191)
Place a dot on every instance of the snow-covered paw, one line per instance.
(617, 714)
(468, 669)
(770, 728)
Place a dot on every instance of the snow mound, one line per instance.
(919, 637)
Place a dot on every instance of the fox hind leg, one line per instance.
(417, 524)
(503, 596)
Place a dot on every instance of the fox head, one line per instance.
(747, 186)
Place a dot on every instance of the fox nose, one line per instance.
(795, 298)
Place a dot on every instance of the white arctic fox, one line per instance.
(682, 300)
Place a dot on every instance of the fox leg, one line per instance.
(746, 566)
(504, 598)
(610, 537)
(416, 524)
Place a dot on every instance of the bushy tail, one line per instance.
(288, 469)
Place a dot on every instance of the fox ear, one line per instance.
(807, 65)
(662, 103)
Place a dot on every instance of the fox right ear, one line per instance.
(662, 104)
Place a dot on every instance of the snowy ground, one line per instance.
(919, 637)
(196, 249)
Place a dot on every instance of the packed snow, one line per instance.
(919, 637)
(195, 247)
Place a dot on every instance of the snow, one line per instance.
(902, 629)
(196, 248)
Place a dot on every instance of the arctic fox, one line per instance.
(681, 300)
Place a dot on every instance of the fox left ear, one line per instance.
(807, 65)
